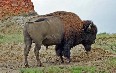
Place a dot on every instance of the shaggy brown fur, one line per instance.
(87, 23)
(72, 23)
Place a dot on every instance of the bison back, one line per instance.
(48, 32)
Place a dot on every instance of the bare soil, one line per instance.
(12, 59)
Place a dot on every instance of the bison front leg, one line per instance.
(36, 51)
(66, 52)
(59, 50)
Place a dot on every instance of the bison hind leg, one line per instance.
(28, 42)
(36, 51)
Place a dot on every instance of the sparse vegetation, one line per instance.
(83, 69)
(106, 41)
(16, 38)
(11, 33)
(75, 69)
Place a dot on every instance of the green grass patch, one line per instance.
(83, 69)
(106, 41)
(42, 70)
(52, 70)
(5, 38)
(112, 61)
(75, 69)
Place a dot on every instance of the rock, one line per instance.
(15, 7)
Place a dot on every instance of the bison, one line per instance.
(57, 29)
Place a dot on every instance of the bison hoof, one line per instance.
(67, 61)
(26, 65)
(62, 62)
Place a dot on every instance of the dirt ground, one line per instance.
(12, 59)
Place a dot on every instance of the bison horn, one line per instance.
(90, 26)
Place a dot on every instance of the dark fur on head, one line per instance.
(89, 34)
(87, 24)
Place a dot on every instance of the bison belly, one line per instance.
(52, 39)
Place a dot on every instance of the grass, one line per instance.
(44, 70)
(83, 69)
(17, 38)
(112, 61)
(108, 66)
(53, 69)
(11, 33)
(106, 41)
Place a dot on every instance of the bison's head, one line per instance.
(89, 34)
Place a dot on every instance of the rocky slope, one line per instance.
(15, 7)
